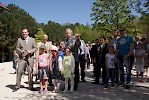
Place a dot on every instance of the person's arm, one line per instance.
(48, 61)
(60, 63)
(18, 47)
(50, 64)
(106, 62)
(135, 54)
(144, 54)
(73, 64)
(34, 45)
(17, 57)
(37, 65)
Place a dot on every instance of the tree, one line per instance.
(11, 25)
(112, 14)
(39, 35)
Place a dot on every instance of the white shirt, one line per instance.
(110, 60)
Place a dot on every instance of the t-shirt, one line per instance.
(43, 60)
(61, 54)
(110, 60)
(139, 60)
(124, 45)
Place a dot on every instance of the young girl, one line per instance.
(110, 58)
(139, 55)
(55, 66)
(42, 68)
(68, 69)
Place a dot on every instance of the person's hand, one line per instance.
(36, 71)
(28, 51)
(116, 60)
(125, 57)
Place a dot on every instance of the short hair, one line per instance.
(69, 30)
(122, 29)
(110, 37)
(103, 37)
(111, 47)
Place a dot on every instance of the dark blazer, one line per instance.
(102, 54)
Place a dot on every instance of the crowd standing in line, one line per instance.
(52, 63)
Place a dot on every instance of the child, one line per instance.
(42, 68)
(55, 66)
(110, 58)
(68, 69)
(15, 60)
(139, 55)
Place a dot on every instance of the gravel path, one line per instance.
(86, 90)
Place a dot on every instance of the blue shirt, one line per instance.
(61, 53)
(124, 45)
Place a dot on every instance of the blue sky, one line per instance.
(60, 11)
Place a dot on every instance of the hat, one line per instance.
(43, 47)
(68, 47)
(54, 48)
(140, 43)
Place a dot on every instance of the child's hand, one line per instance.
(37, 71)
(116, 59)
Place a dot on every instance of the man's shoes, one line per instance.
(106, 86)
(121, 84)
(103, 83)
(75, 88)
(95, 82)
(30, 87)
(83, 80)
(127, 86)
(16, 88)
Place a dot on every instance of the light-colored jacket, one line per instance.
(48, 47)
(31, 45)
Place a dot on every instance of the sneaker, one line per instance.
(141, 81)
(71, 90)
(127, 86)
(54, 91)
(106, 86)
(112, 85)
(41, 90)
(45, 90)
(121, 84)
(65, 91)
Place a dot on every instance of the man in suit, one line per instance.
(26, 47)
(94, 54)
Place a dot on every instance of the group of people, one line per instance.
(52, 63)
(121, 52)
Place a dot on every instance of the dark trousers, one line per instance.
(110, 74)
(82, 66)
(116, 72)
(76, 78)
(121, 62)
(98, 73)
(131, 61)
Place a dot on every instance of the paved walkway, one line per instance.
(86, 90)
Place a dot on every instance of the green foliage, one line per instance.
(112, 14)
(39, 35)
(11, 25)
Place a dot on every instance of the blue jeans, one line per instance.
(110, 74)
(121, 64)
